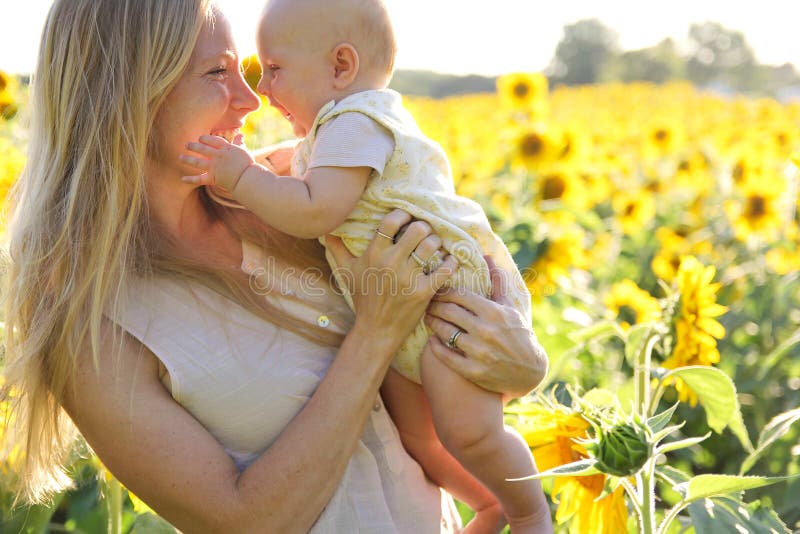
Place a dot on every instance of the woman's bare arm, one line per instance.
(173, 463)
(166, 457)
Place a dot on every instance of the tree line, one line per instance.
(713, 57)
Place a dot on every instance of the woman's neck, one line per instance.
(177, 212)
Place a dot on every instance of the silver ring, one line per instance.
(451, 343)
(419, 261)
(390, 238)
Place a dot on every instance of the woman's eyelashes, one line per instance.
(218, 72)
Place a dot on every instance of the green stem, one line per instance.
(114, 507)
(642, 376)
(633, 497)
(670, 516)
(648, 499)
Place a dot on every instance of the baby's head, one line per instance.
(315, 51)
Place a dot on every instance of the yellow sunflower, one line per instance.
(534, 148)
(560, 184)
(663, 138)
(560, 253)
(783, 260)
(526, 92)
(632, 305)
(665, 263)
(575, 143)
(681, 241)
(696, 329)
(634, 209)
(551, 434)
(596, 185)
(11, 163)
(747, 166)
(8, 87)
(757, 212)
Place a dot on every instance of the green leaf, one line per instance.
(31, 519)
(660, 420)
(717, 393)
(777, 427)
(152, 524)
(671, 475)
(575, 469)
(725, 514)
(663, 433)
(703, 486)
(680, 444)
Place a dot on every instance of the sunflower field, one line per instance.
(657, 229)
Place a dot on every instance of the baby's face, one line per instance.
(297, 72)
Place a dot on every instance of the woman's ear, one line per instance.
(344, 58)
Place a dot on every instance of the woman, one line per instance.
(203, 356)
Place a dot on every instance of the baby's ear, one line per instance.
(344, 58)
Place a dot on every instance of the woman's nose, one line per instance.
(244, 98)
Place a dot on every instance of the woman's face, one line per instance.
(211, 97)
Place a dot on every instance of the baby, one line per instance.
(326, 65)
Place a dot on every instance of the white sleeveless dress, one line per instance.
(244, 380)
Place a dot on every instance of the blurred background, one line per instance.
(729, 46)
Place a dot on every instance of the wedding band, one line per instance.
(390, 238)
(419, 261)
(451, 343)
(432, 264)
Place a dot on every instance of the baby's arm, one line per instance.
(307, 207)
(411, 413)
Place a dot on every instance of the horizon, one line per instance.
(514, 37)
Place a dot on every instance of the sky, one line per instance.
(489, 37)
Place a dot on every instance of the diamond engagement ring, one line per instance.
(420, 261)
(451, 343)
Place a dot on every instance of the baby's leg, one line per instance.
(411, 412)
(469, 422)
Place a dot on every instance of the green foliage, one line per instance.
(583, 52)
(705, 486)
(712, 516)
(717, 394)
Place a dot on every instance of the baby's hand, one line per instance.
(223, 163)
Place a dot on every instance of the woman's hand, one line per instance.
(496, 349)
(388, 284)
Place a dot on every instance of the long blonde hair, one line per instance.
(80, 228)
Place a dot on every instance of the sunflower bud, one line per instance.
(621, 450)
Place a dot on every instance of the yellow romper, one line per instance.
(417, 179)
